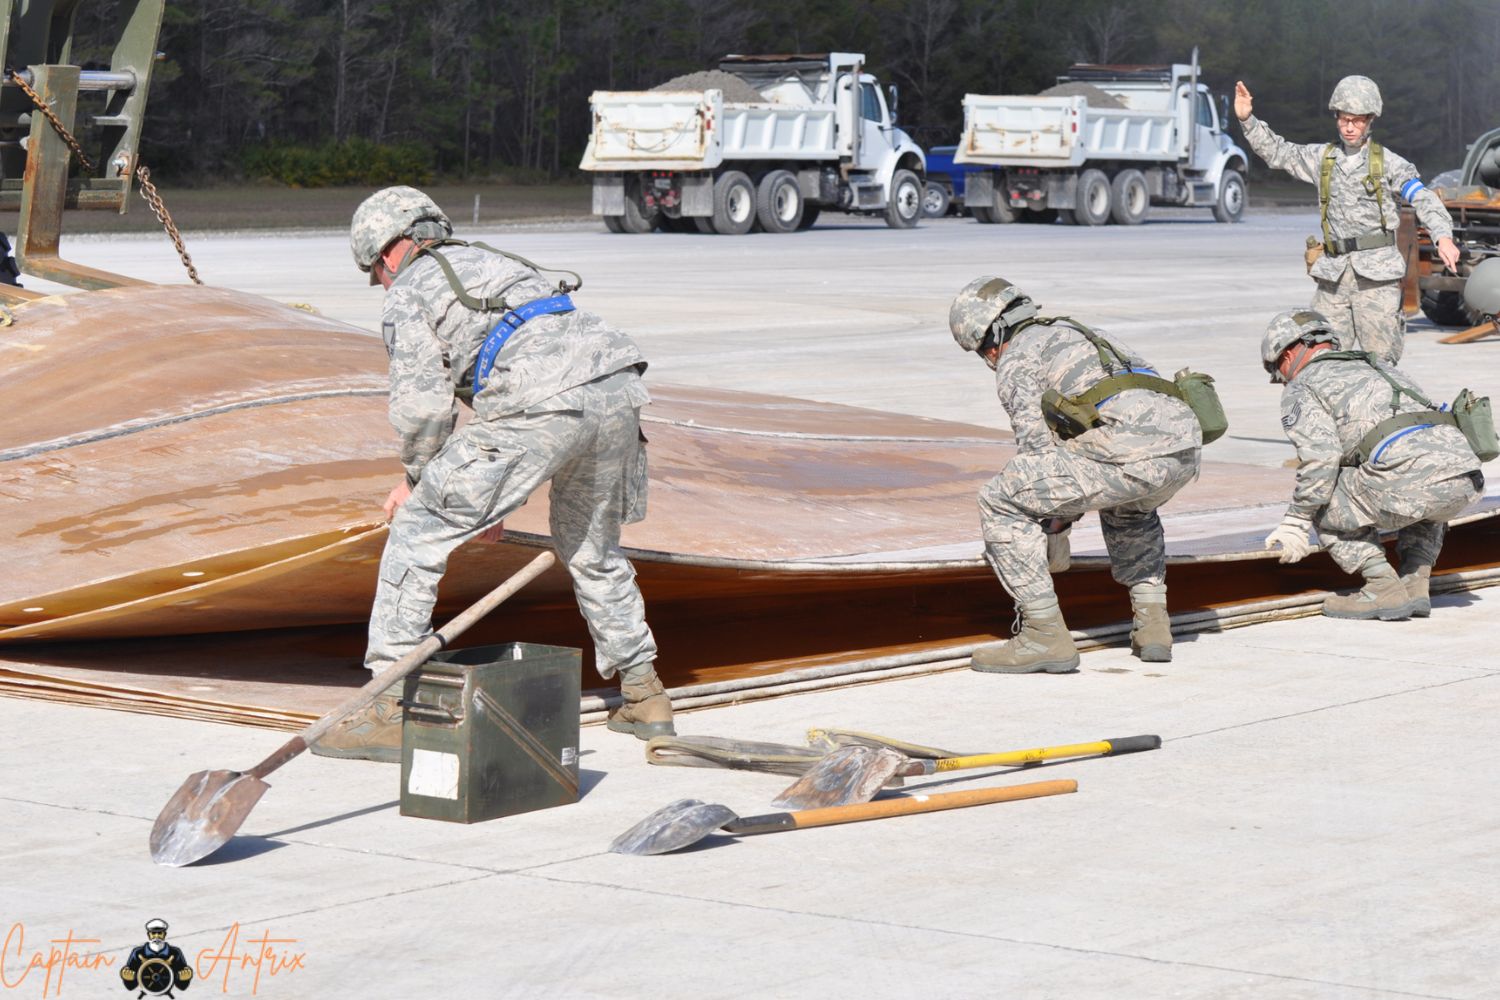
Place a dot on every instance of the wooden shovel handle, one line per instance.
(904, 806)
(411, 661)
(1125, 744)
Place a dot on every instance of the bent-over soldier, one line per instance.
(1134, 449)
(556, 395)
(1373, 453)
(1361, 185)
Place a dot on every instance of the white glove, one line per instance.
(1291, 535)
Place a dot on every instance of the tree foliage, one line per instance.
(495, 86)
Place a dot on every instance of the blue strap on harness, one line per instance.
(1396, 437)
(509, 323)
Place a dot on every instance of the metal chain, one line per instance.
(62, 130)
(148, 191)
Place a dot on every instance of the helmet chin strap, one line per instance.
(1296, 357)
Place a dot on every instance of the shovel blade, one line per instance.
(203, 815)
(673, 827)
(847, 775)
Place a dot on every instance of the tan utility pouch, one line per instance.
(1474, 417)
(1312, 253)
(1198, 393)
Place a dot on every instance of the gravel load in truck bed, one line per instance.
(736, 91)
(1096, 97)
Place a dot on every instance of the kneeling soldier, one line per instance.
(1095, 429)
(1373, 454)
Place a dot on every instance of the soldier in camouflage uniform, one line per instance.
(556, 395)
(1359, 271)
(1363, 469)
(1143, 451)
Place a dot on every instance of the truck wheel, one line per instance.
(1092, 205)
(1230, 206)
(778, 202)
(981, 214)
(1129, 199)
(1039, 216)
(1446, 308)
(905, 205)
(703, 224)
(935, 201)
(734, 203)
(637, 218)
(810, 215)
(613, 224)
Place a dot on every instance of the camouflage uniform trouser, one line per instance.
(487, 470)
(1364, 504)
(1366, 313)
(1056, 482)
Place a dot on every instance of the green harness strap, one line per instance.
(1396, 421)
(1112, 383)
(496, 302)
(1374, 184)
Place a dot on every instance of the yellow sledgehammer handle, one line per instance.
(901, 806)
(1108, 748)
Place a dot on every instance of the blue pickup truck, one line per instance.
(945, 183)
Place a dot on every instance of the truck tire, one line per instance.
(981, 214)
(637, 218)
(1039, 216)
(935, 201)
(778, 202)
(703, 224)
(1230, 205)
(904, 207)
(734, 203)
(1091, 207)
(1446, 308)
(810, 215)
(1129, 198)
(613, 224)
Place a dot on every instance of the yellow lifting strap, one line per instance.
(1374, 184)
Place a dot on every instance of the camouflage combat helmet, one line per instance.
(1290, 328)
(1356, 95)
(987, 309)
(389, 214)
(1482, 290)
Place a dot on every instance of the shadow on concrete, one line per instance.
(367, 810)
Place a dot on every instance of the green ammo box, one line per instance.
(490, 732)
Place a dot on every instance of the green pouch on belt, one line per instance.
(1067, 417)
(1473, 415)
(1199, 394)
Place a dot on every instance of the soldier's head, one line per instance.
(1355, 103)
(1292, 340)
(388, 225)
(156, 930)
(986, 314)
(1482, 290)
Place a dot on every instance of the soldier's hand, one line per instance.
(493, 533)
(1291, 536)
(1449, 252)
(398, 496)
(1243, 102)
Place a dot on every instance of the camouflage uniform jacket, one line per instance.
(1138, 423)
(433, 340)
(1351, 210)
(1328, 409)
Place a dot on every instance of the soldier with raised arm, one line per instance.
(1361, 186)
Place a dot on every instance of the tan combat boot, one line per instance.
(1043, 644)
(371, 734)
(1150, 628)
(1382, 597)
(647, 711)
(1417, 583)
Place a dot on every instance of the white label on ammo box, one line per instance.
(433, 774)
(569, 756)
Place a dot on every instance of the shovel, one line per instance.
(857, 773)
(687, 821)
(211, 805)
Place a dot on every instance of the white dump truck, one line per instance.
(1110, 143)
(812, 141)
